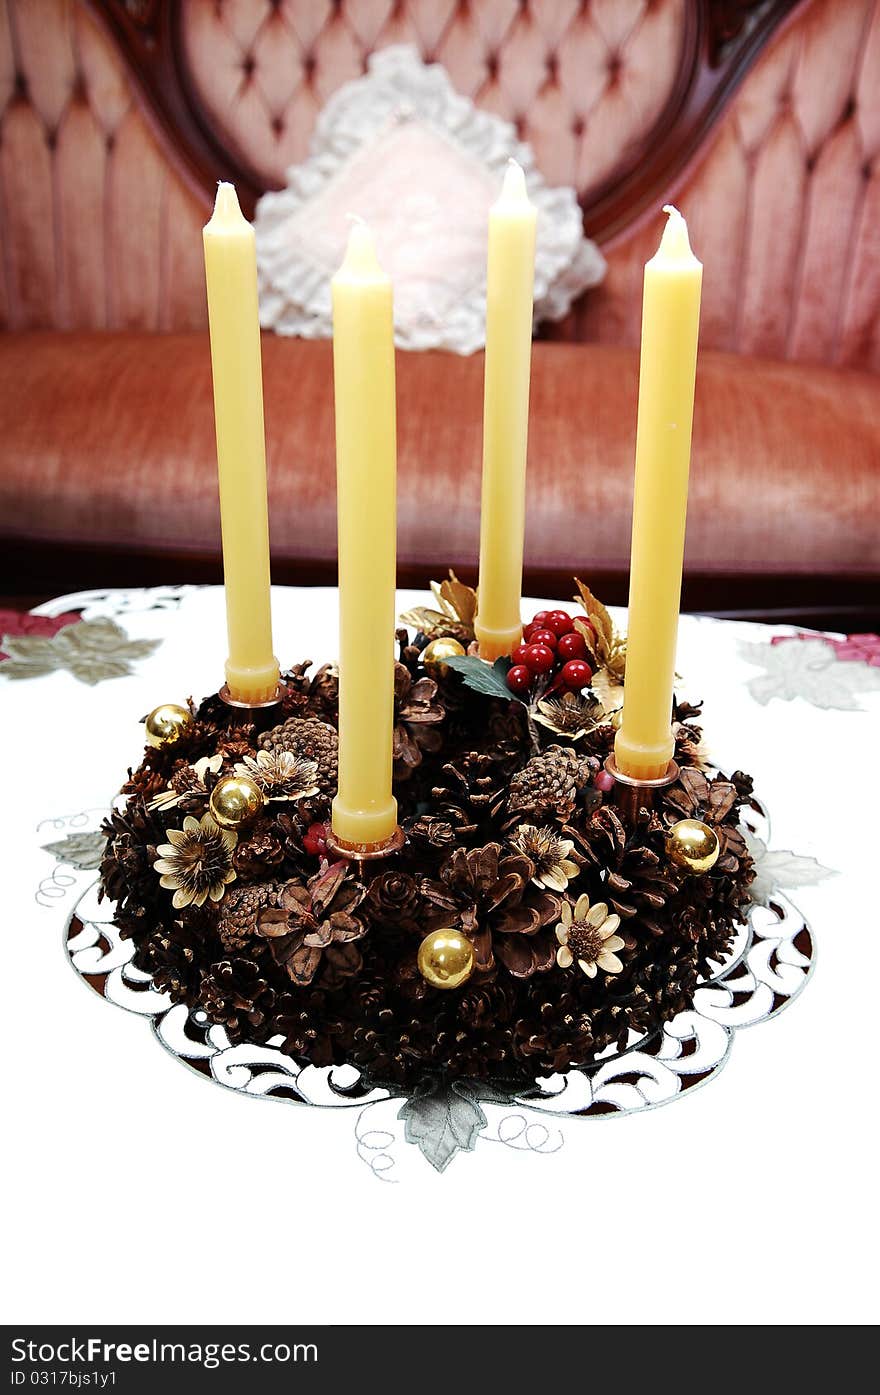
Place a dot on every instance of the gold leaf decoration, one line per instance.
(610, 646)
(454, 616)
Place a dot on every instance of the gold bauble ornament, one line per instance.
(446, 958)
(693, 845)
(434, 654)
(166, 724)
(234, 800)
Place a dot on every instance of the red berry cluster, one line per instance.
(551, 649)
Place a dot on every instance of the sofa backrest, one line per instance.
(761, 117)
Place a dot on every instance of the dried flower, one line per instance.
(586, 936)
(608, 646)
(196, 862)
(315, 923)
(310, 740)
(187, 784)
(454, 616)
(490, 894)
(281, 774)
(550, 854)
(572, 715)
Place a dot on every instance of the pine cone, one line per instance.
(431, 833)
(314, 740)
(289, 828)
(239, 909)
(548, 786)
(309, 1033)
(324, 692)
(716, 802)
(492, 897)
(127, 875)
(394, 899)
(315, 927)
(418, 713)
(256, 855)
(639, 880)
(172, 957)
(472, 792)
(235, 994)
(557, 1034)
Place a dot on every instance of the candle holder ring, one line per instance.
(366, 852)
(260, 714)
(631, 794)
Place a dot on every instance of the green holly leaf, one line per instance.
(489, 679)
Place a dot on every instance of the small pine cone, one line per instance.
(324, 692)
(431, 834)
(239, 909)
(256, 855)
(485, 1005)
(471, 793)
(172, 957)
(308, 1030)
(548, 786)
(639, 880)
(311, 739)
(394, 899)
(235, 994)
(290, 830)
(295, 692)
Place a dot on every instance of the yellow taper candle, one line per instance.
(509, 287)
(670, 328)
(233, 315)
(364, 810)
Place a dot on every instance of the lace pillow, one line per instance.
(421, 164)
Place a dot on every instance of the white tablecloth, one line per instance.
(130, 1179)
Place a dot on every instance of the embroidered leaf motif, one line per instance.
(446, 1121)
(490, 679)
(92, 651)
(781, 870)
(809, 669)
(83, 851)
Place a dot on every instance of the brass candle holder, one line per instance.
(260, 714)
(366, 852)
(631, 794)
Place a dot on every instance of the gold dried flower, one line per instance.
(281, 774)
(187, 783)
(454, 616)
(550, 854)
(572, 715)
(586, 937)
(196, 862)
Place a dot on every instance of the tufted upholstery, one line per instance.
(784, 208)
(582, 82)
(100, 230)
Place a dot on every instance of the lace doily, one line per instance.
(401, 148)
(767, 967)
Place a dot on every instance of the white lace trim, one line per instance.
(399, 87)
